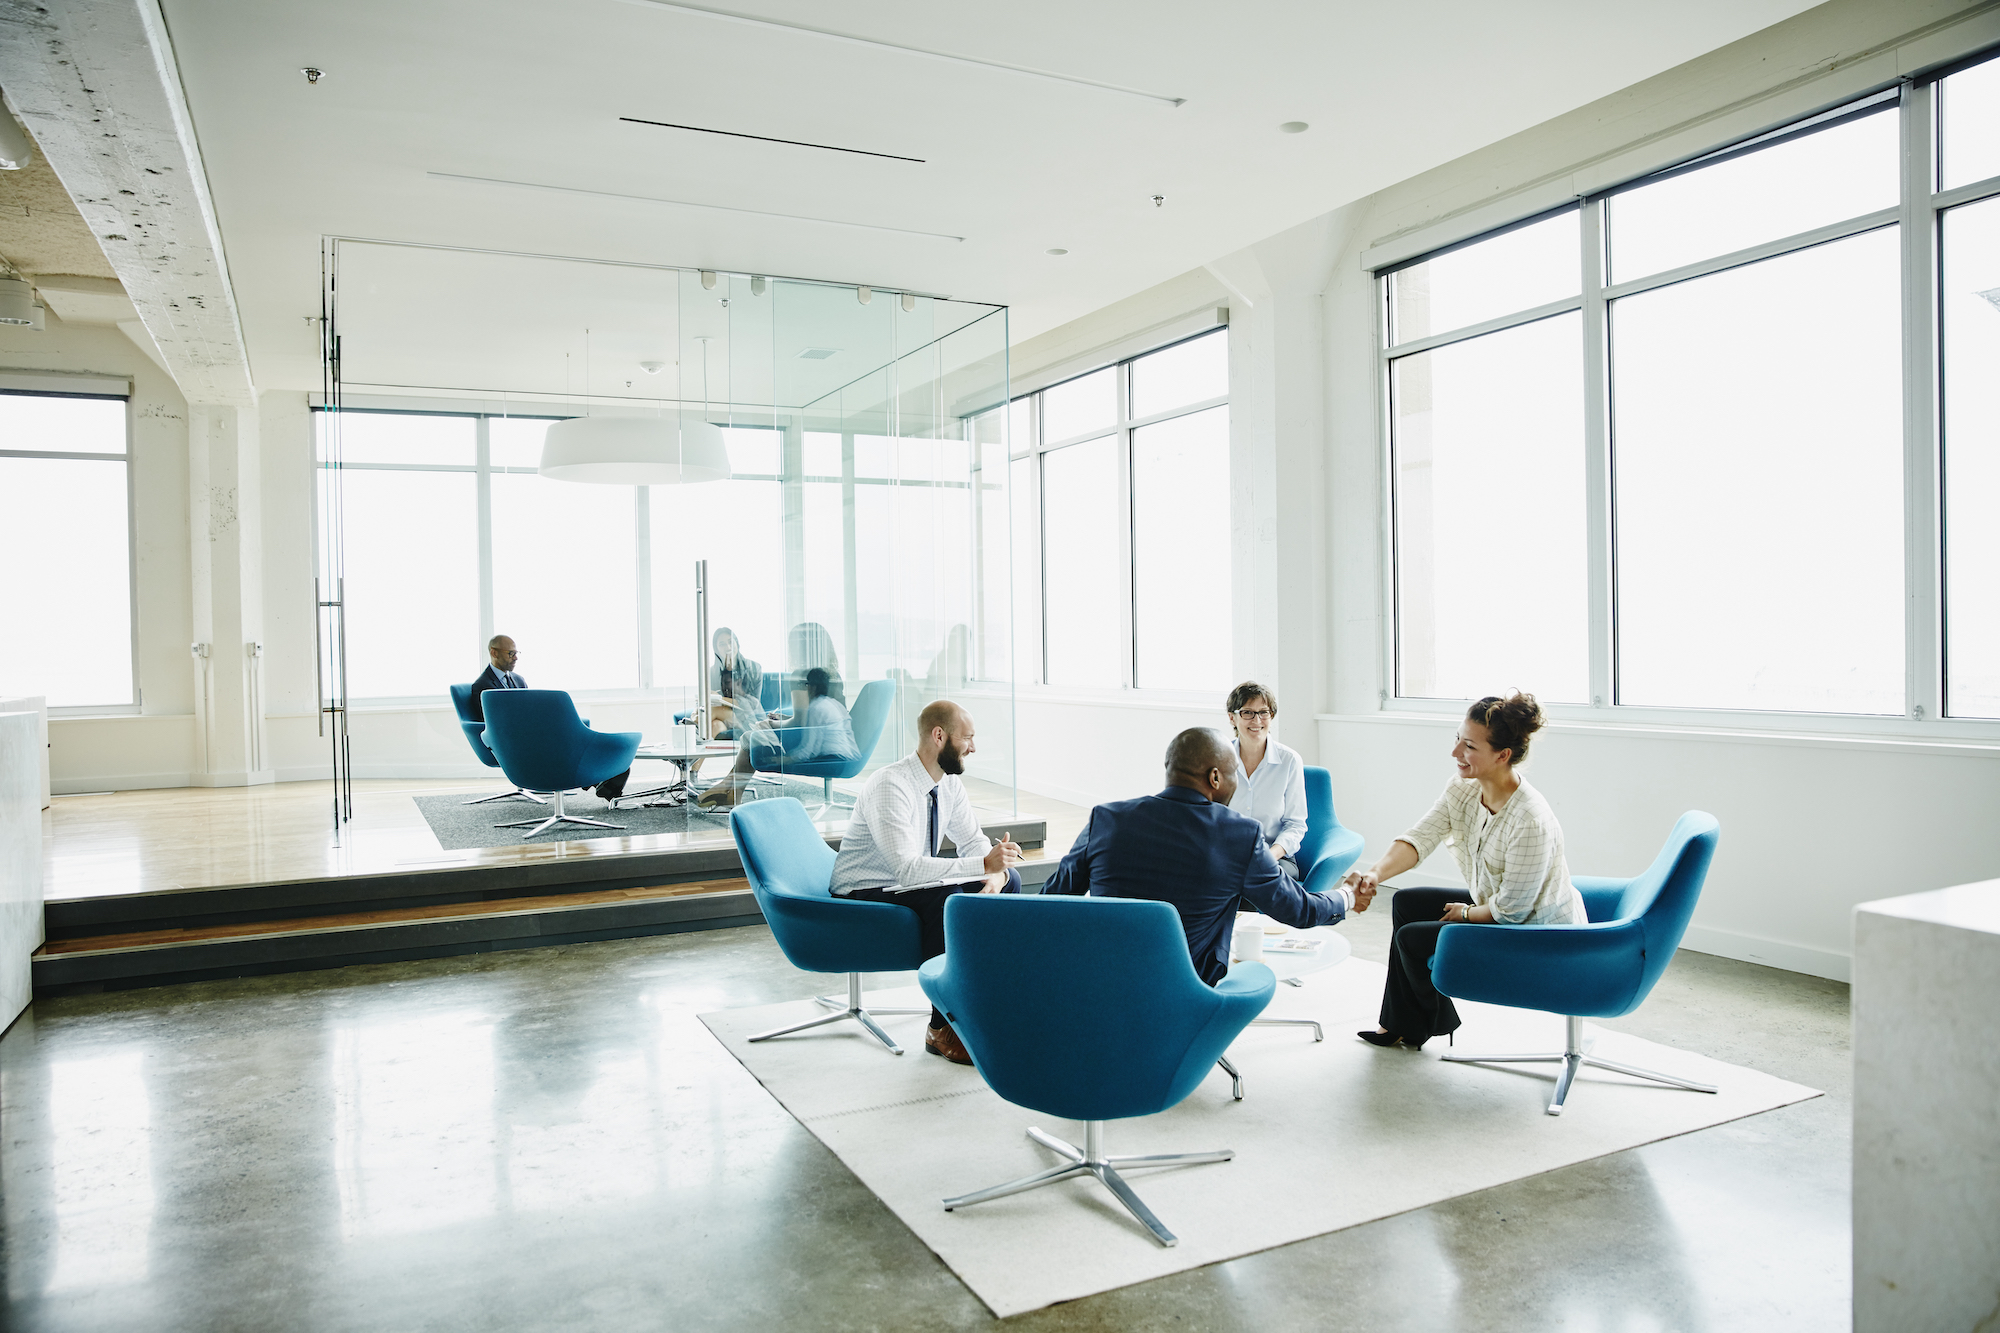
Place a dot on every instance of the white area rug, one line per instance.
(1327, 1136)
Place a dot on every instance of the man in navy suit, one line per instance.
(1185, 846)
(500, 675)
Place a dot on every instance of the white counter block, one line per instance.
(39, 706)
(21, 751)
(1927, 1111)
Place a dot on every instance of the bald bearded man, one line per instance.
(889, 853)
(1185, 846)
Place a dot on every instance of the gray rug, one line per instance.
(461, 827)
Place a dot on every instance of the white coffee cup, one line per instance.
(1249, 938)
(683, 738)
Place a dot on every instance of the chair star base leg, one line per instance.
(1319, 1033)
(853, 1008)
(556, 817)
(1235, 1078)
(1573, 1059)
(508, 796)
(1090, 1159)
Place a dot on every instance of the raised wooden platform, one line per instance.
(140, 927)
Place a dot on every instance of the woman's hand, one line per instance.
(1458, 912)
(1362, 884)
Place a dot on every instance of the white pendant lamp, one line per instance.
(635, 451)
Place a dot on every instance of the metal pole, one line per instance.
(701, 649)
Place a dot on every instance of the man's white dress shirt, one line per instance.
(888, 840)
(1274, 796)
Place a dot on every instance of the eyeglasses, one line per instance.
(1254, 714)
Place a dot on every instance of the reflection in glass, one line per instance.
(1759, 501)
(1969, 125)
(413, 583)
(52, 425)
(564, 581)
(1491, 563)
(1190, 372)
(1181, 605)
(1516, 270)
(1080, 406)
(1082, 556)
(1788, 188)
(80, 650)
(403, 437)
(737, 526)
(101, 1168)
(1971, 313)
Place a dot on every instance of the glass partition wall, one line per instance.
(864, 526)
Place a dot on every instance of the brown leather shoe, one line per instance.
(943, 1041)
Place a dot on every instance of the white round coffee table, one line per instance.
(1293, 968)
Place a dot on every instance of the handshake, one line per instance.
(1362, 884)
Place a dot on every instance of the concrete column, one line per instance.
(225, 533)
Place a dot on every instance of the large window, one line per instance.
(65, 535)
(1671, 447)
(1118, 475)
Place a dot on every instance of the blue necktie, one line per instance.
(932, 845)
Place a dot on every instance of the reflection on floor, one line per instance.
(550, 1139)
(199, 837)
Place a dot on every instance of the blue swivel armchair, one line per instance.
(789, 867)
(1599, 970)
(474, 729)
(543, 746)
(1089, 1009)
(870, 711)
(1329, 848)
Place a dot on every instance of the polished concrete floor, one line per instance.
(550, 1140)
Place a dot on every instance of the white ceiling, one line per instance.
(519, 91)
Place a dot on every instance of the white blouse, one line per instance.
(1274, 796)
(1512, 861)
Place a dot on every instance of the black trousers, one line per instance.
(1411, 1005)
(928, 904)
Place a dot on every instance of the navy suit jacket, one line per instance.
(1179, 847)
(489, 679)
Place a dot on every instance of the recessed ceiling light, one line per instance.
(818, 353)
(1057, 251)
(1294, 127)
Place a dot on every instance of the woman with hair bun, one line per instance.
(1509, 849)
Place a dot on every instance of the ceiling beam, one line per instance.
(96, 83)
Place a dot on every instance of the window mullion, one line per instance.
(1923, 680)
(1128, 546)
(483, 488)
(1599, 583)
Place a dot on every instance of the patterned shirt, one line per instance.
(1512, 862)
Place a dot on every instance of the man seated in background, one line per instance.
(889, 853)
(500, 675)
(1185, 846)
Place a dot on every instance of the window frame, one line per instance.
(1035, 449)
(1918, 214)
(136, 704)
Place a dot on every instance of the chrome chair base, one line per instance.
(1235, 1078)
(508, 796)
(1573, 1057)
(1319, 1033)
(1090, 1160)
(853, 1009)
(558, 817)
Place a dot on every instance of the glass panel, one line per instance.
(874, 456)
(1490, 496)
(1021, 425)
(413, 582)
(1779, 191)
(564, 581)
(822, 454)
(737, 526)
(42, 424)
(1969, 125)
(992, 633)
(1190, 372)
(757, 452)
(1759, 466)
(1080, 406)
(66, 514)
(1519, 270)
(515, 441)
(1181, 622)
(1082, 551)
(1027, 568)
(404, 437)
(1971, 302)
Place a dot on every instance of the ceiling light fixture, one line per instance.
(313, 73)
(16, 148)
(726, 16)
(818, 353)
(864, 294)
(765, 138)
(909, 303)
(1057, 251)
(1294, 127)
(17, 304)
(636, 451)
(757, 286)
(707, 280)
(683, 203)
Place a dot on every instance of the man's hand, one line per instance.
(1005, 853)
(995, 883)
(1362, 883)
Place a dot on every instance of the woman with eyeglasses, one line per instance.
(1272, 790)
(1509, 849)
